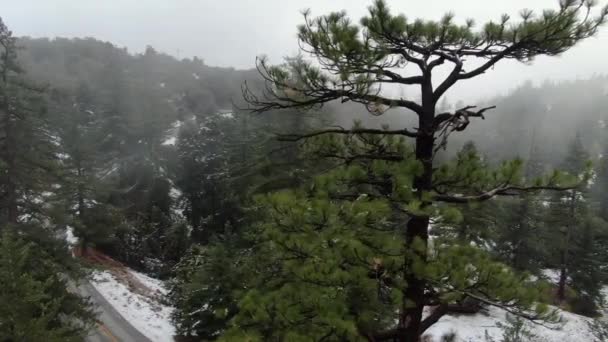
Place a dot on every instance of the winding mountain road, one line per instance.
(112, 327)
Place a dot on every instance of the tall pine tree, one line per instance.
(353, 62)
(27, 145)
(36, 303)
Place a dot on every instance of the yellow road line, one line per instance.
(107, 332)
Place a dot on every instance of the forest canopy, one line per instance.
(302, 201)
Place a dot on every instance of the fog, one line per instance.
(232, 33)
(138, 141)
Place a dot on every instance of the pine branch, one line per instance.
(298, 137)
(281, 94)
(532, 318)
(393, 77)
(440, 311)
(511, 190)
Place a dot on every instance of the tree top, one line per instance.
(354, 60)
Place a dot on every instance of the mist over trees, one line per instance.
(298, 201)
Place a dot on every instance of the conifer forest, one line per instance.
(369, 170)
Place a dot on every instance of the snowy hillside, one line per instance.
(145, 312)
(473, 328)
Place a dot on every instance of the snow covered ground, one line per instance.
(70, 238)
(153, 318)
(146, 314)
(472, 328)
(171, 137)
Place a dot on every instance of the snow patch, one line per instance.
(227, 114)
(551, 275)
(70, 238)
(153, 284)
(171, 138)
(175, 193)
(146, 315)
(170, 141)
(472, 328)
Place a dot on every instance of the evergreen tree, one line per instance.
(203, 174)
(81, 196)
(478, 219)
(355, 62)
(518, 225)
(36, 305)
(574, 235)
(566, 213)
(329, 258)
(27, 146)
(34, 267)
(601, 185)
(589, 257)
(204, 284)
(519, 221)
(228, 158)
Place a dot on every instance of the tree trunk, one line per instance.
(80, 192)
(563, 272)
(9, 151)
(80, 195)
(417, 226)
(561, 287)
(11, 189)
(518, 259)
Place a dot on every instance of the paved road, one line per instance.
(113, 327)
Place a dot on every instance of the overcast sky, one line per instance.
(233, 32)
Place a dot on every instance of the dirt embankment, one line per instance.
(118, 270)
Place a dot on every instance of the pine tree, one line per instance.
(329, 257)
(589, 258)
(355, 61)
(477, 218)
(519, 221)
(81, 196)
(204, 284)
(203, 175)
(27, 146)
(566, 212)
(574, 235)
(35, 267)
(601, 187)
(518, 225)
(36, 305)
(229, 158)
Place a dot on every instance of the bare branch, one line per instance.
(448, 82)
(447, 123)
